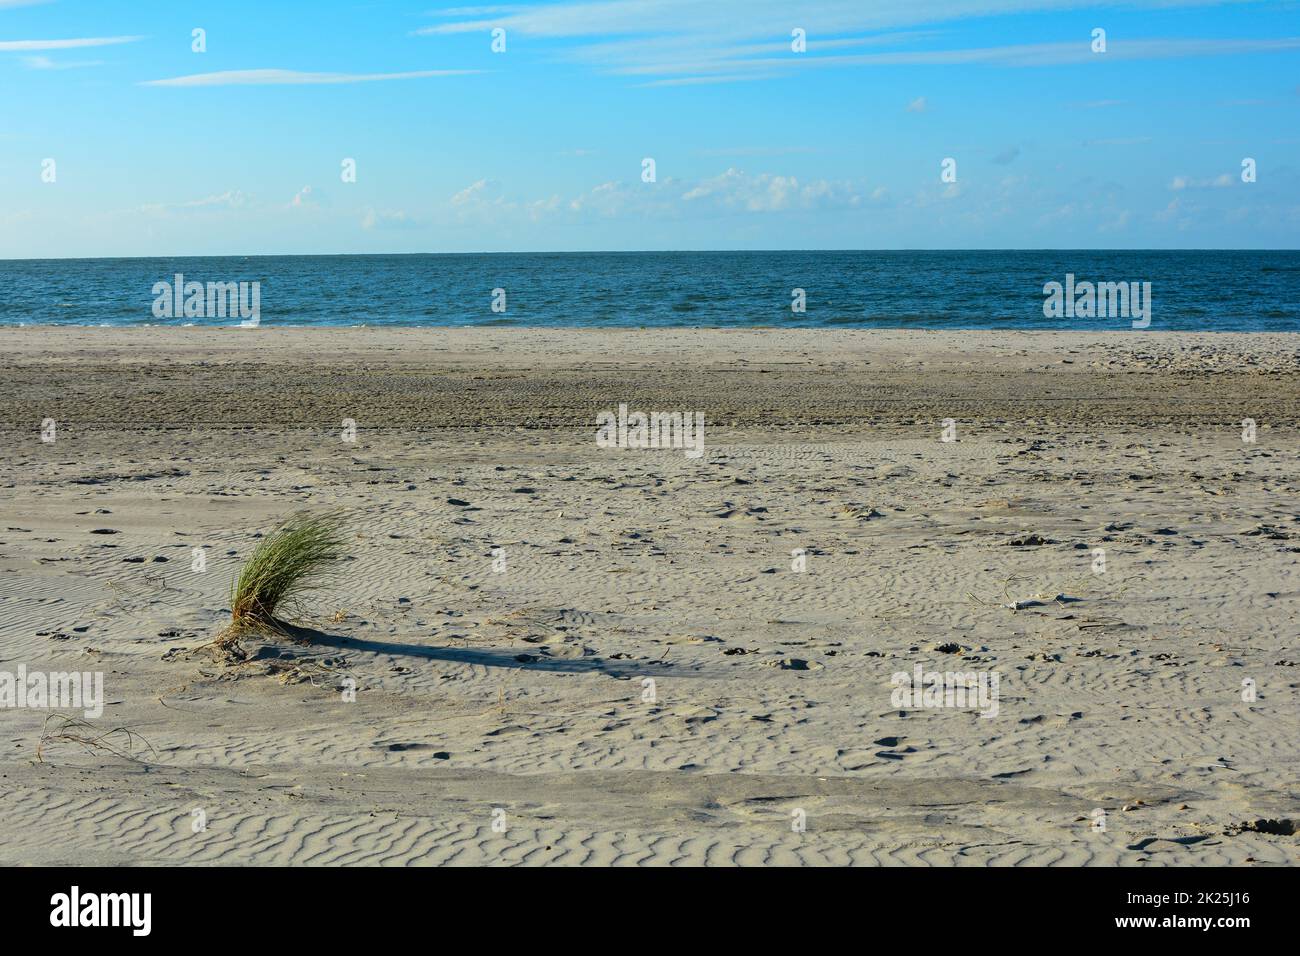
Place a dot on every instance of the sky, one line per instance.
(119, 138)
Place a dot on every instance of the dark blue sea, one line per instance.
(1190, 290)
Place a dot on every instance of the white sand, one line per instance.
(523, 691)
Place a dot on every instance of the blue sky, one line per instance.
(160, 150)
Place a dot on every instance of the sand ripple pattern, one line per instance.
(617, 649)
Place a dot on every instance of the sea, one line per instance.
(1206, 290)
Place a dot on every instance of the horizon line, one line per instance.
(642, 252)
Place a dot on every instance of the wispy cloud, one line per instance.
(1221, 181)
(733, 192)
(918, 105)
(230, 199)
(294, 78)
(483, 190)
(32, 46)
(1023, 55)
(715, 41)
(45, 63)
(739, 191)
(372, 218)
(731, 19)
(698, 80)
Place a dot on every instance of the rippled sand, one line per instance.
(504, 716)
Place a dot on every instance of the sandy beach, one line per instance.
(569, 654)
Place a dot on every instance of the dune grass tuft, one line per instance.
(292, 559)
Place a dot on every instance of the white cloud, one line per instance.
(698, 80)
(729, 40)
(607, 199)
(1221, 181)
(45, 63)
(28, 46)
(737, 190)
(388, 219)
(734, 19)
(475, 192)
(293, 78)
(231, 199)
(918, 105)
(731, 192)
